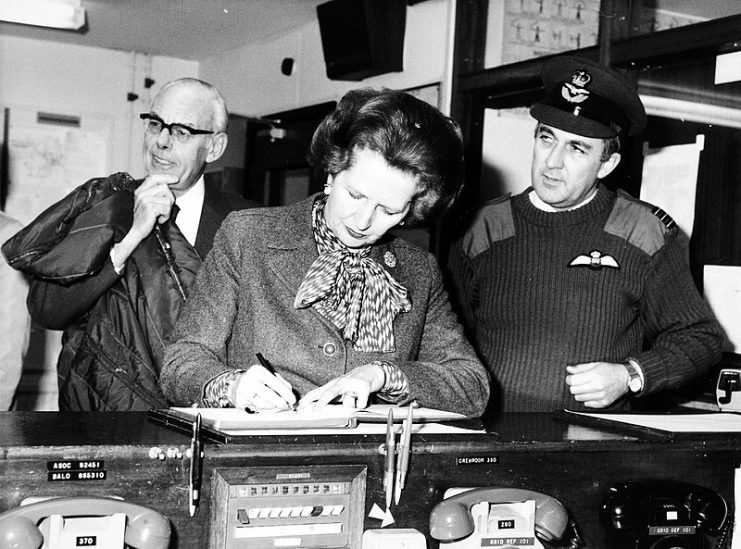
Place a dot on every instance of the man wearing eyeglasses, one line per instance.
(114, 261)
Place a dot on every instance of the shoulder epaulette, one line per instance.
(640, 223)
(492, 223)
(665, 218)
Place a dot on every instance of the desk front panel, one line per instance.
(578, 473)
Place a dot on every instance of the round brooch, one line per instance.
(389, 259)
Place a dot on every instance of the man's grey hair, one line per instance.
(220, 113)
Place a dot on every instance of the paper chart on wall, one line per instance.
(524, 29)
(49, 156)
(669, 180)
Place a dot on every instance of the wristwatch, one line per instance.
(635, 376)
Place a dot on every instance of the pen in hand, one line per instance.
(269, 367)
(265, 364)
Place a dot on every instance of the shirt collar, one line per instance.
(538, 203)
(191, 205)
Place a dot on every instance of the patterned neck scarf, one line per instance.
(351, 290)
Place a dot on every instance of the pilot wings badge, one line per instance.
(595, 260)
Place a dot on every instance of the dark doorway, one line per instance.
(277, 170)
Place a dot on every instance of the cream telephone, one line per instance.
(505, 510)
(145, 528)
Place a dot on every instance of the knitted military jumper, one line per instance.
(539, 291)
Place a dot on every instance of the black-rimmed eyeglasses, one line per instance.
(154, 125)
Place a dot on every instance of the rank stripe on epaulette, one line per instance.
(664, 217)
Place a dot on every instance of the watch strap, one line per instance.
(636, 380)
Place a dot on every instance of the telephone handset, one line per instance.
(657, 513)
(145, 528)
(451, 518)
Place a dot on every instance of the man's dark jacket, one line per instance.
(114, 325)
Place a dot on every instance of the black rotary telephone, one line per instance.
(665, 515)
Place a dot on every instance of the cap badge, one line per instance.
(595, 260)
(575, 91)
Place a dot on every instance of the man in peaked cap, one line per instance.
(576, 296)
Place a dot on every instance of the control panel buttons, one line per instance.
(249, 516)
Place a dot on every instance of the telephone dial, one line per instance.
(451, 518)
(145, 528)
(665, 515)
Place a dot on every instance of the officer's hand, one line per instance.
(353, 388)
(597, 384)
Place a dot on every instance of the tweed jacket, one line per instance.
(242, 303)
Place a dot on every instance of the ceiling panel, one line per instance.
(187, 29)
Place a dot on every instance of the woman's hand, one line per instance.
(353, 388)
(259, 390)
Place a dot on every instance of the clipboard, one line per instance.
(663, 426)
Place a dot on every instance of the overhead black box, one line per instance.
(362, 38)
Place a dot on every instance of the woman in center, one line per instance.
(341, 309)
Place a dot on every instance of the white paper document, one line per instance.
(669, 180)
(714, 422)
(332, 419)
(722, 289)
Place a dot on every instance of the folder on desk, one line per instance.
(223, 424)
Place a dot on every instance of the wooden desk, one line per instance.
(535, 451)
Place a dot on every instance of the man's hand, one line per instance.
(258, 390)
(597, 384)
(153, 202)
(354, 388)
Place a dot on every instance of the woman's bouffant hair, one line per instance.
(411, 135)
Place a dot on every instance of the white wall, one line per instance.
(506, 154)
(251, 80)
(77, 80)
